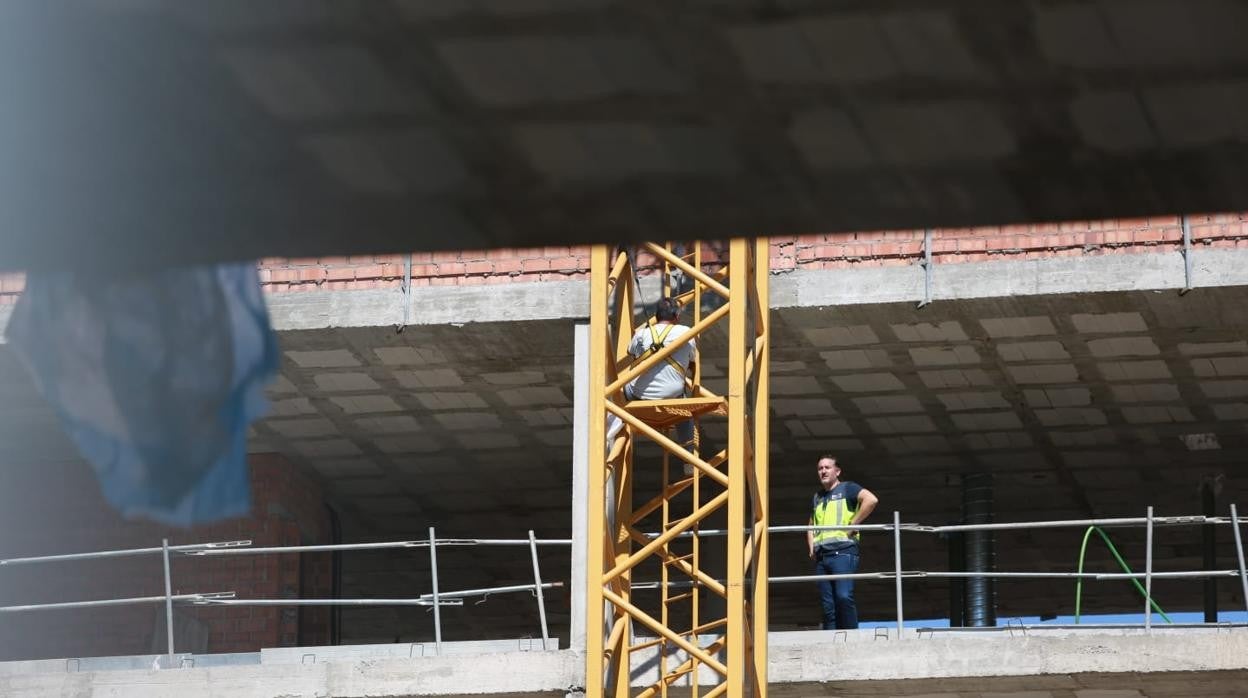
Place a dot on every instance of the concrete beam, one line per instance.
(436, 305)
(553, 300)
(512, 674)
(815, 657)
(1000, 279)
(803, 663)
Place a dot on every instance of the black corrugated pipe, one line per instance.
(957, 587)
(981, 596)
(1209, 547)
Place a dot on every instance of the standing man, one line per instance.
(838, 503)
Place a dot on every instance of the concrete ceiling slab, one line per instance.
(334, 128)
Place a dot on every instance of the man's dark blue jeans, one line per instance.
(837, 596)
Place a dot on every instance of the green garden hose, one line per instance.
(1121, 563)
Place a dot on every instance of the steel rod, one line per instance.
(164, 544)
(537, 587)
(1239, 551)
(433, 574)
(100, 603)
(1148, 572)
(101, 554)
(1187, 254)
(926, 263)
(901, 625)
(1073, 523)
(1198, 574)
(446, 542)
(333, 602)
(1082, 626)
(242, 547)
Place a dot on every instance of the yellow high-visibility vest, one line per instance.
(828, 511)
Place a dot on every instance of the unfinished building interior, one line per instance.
(1038, 317)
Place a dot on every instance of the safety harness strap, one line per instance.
(656, 344)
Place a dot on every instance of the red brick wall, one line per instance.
(825, 251)
(819, 251)
(63, 513)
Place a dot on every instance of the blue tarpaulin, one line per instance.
(155, 377)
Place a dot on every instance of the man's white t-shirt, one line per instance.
(664, 380)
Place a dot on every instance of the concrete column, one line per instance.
(580, 484)
(981, 596)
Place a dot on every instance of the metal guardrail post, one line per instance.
(1187, 254)
(901, 624)
(437, 607)
(1148, 572)
(537, 584)
(164, 553)
(1239, 550)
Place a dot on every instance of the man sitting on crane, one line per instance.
(666, 379)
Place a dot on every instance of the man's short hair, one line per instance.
(830, 457)
(666, 309)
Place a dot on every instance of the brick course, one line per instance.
(814, 251)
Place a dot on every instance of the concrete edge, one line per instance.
(818, 660)
(560, 300)
(550, 673)
(960, 657)
(1006, 277)
(813, 657)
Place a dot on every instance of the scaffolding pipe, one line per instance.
(101, 603)
(1148, 573)
(1078, 523)
(389, 545)
(1197, 574)
(1239, 552)
(901, 625)
(537, 589)
(130, 552)
(332, 602)
(164, 544)
(433, 574)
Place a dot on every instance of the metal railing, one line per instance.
(435, 599)
(1149, 521)
(438, 597)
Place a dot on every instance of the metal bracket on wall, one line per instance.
(926, 263)
(407, 295)
(1187, 255)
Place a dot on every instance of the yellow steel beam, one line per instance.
(620, 546)
(738, 278)
(707, 580)
(622, 566)
(595, 617)
(671, 446)
(762, 453)
(697, 274)
(688, 667)
(645, 619)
